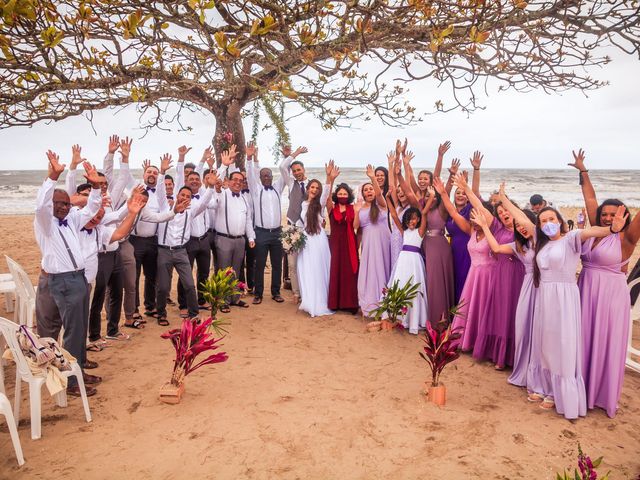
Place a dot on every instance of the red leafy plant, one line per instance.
(189, 341)
(442, 345)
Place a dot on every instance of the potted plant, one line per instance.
(587, 469)
(441, 347)
(394, 303)
(189, 341)
(218, 287)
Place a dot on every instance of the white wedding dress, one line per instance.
(314, 262)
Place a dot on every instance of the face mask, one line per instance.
(343, 200)
(551, 229)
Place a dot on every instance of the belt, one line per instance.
(270, 230)
(229, 236)
(138, 236)
(167, 247)
(434, 233)
(53, 275)
(200, 238)
(107, 252)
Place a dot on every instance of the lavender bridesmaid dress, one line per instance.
(461, 258)
(375, 260)
(496, 331)
(606, 308)
(555, 364)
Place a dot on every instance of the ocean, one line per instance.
(18, 188)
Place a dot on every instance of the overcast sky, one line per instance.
(532, 130)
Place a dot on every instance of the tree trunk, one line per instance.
(229, 120)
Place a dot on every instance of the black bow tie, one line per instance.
(63, 223)
(235, 194)
(268, 187)
(88, 230)
(169, 197)
(152, 189)
(246, 190)
(197, 195)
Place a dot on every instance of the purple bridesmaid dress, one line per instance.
(606, 311)
(461, 258)
(375, 260)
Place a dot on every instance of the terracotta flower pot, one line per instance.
(373, 327)
(170, 393)
(386, 325)
(438, 395)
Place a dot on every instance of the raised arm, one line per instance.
(376, 188)
(393, 212)
(356, 210)
(332, 171)
(515, 212)
(491, 240)
(588, 192)
(462, 222)
(134, 205)
(442, 149)
(460, 182)
(107, 163)
(424, 223)
(161, 192)
(285, 165)
(631, 236)
(616, 226)
(204, 160)
(95, 197)
(453, 171)
(406, 188)
(401, 150)
(476, 162)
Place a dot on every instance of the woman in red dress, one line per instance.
(343, 278)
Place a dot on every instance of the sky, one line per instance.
(515, 130)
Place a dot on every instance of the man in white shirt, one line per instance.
(232, 224)
(173, 236)
(294, 175)
(62, 297)
(267, 223)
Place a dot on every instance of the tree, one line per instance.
(332, 58)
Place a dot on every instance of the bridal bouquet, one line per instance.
(293, 238)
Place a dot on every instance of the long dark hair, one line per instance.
(385, 186)
(522, 243)
(429, 174)
(346, 188)
(406, 217)
(313, 210)
(615, 203)
(374, 210)
(542, 240)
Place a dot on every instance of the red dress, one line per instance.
(343, 277)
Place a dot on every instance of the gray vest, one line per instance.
(295, 201)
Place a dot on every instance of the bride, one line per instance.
(314, 259)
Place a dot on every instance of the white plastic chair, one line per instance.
(23, 374)
(8, 288)
(5, 409)
(635, 317)
(25, 294)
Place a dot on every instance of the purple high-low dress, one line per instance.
(461, 258)
(439, 266)
(496, 331)
(606, 308)
(524, 319)
(555, 363)
(375, 260)
(476, 292)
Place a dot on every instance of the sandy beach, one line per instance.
(303, 398)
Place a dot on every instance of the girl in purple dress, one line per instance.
(375, 261)
(605, 301)
(555, 365)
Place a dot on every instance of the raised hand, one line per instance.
(55, 167)
(439, 186)
(478, 218)
(207, 155)
(460, 182)
(138, 190)
(125, 149)
(250, 150)
(229, 156)
(455, 166)
(146, 164)
(404, 146)
(407, 157)
(182, 204)
(211, 179)
(328, 167)
(165, 163)
(465, 174)
(391, 158)
(182, 152)
(106, 201)
(299, 151)
(76, 157)
(397, 167)
(501, 190)
(136, 203)
(444, 148)
(371, 173)
(619, 220)
(398, 147)
(114, 143)
(91, 174)
(476, 160)
(578, 160)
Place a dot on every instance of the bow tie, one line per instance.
(235, 194)
(246, 190)
(63, 223)
(197, 195)
(169, 197)
(152, 189)
(88, 230)
(268, 187)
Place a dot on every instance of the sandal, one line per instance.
(225, 309)
(138, 317)
(240, 304)
(94, 347)
(163, 322)
(137, 324)
(257, 300)
(547, 404)
(118, 336)
(278, 298)
(184, 313)
(535, 397)
(151, 313)
(89, 364)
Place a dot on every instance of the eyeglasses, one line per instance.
(61, 204)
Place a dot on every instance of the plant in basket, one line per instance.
(395, 302)
(442, 346)
(293, 238)
(189, 341)
(217, 289)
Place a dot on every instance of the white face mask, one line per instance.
(551, 229)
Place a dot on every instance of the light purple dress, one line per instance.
(555, 364)
(496, 332)
(375, 260)
(476, 292)
(524, 319)
(606, 308)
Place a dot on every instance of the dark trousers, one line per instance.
(198, 250)
(248, 268)
(109, 276)
(62, 300)
(167, 261)
(268, 243)
(230, 254)
(212, 247)
(145, 250)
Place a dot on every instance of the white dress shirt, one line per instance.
(266, 201)
(233, 216)
(157, 203)
(176, 232)
(94, 241)
(59, 244)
